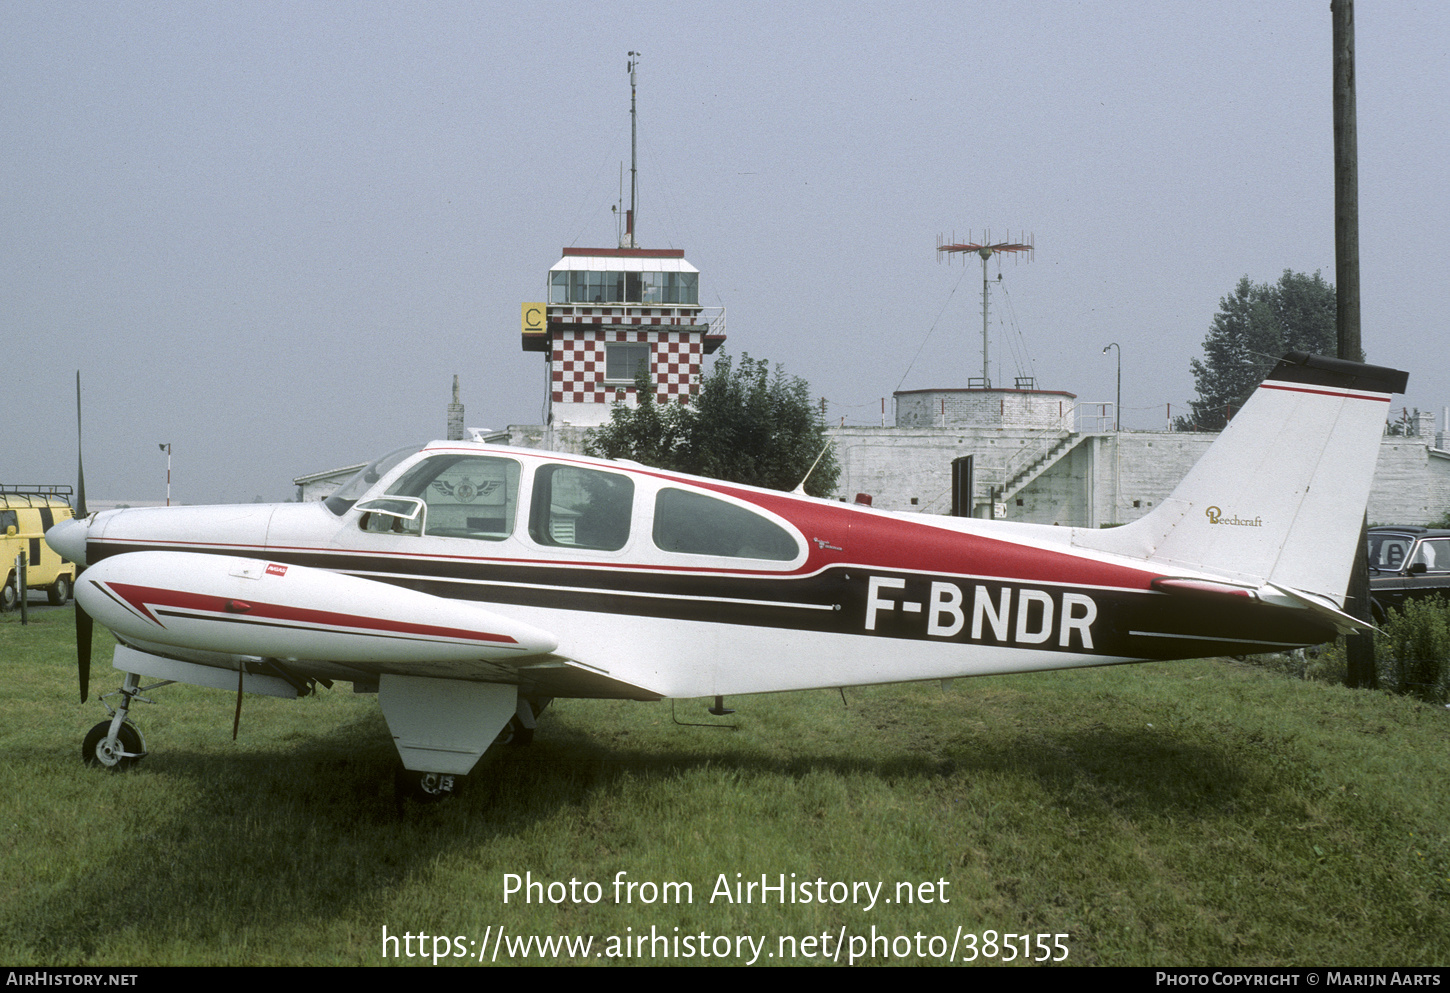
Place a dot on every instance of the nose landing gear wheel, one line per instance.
(123, 753)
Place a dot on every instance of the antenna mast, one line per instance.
(632, 217)
(986, 249)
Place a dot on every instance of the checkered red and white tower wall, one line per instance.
(577, 368)
(600, 298)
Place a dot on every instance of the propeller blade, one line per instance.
(80, 460)
(83, 649)
(83, 619)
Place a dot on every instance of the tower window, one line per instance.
(611, 286)
(624, 359)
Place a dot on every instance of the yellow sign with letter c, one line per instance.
(534, 318)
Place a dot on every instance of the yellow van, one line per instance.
(25, 514)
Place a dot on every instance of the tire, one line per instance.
(515, 734)
(425, 787)
(60, 592)
(1377, 612)
(9, 597)
(94, 752)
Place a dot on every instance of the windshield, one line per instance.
(349, 492)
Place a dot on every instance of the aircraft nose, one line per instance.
(68, 538)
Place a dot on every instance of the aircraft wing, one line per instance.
(251, 607)
(557, 676)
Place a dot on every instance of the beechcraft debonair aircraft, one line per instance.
(469, 585)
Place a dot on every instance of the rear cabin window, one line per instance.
(574, 507)
(695, 524)
(468, 496)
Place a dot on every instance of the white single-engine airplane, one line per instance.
(469, 585)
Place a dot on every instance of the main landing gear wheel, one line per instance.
(426, 787)
(123, 753)
(515, 734)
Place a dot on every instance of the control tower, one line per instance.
(610, 312)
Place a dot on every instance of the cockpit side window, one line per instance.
(467, 496)
(575, 507)
(696, 524)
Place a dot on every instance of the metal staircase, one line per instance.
(1059, 449)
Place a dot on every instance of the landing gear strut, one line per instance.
(116, 744)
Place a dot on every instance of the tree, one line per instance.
(746, 425)
(655, 434)
(1253, 328)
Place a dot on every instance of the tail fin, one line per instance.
(1279, 497)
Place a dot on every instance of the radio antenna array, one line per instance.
(985, 248)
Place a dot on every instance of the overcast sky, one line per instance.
(270, 234)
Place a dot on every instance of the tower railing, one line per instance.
(715, 317)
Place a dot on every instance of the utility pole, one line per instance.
(1359, 646)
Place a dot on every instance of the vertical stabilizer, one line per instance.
(1280, 496)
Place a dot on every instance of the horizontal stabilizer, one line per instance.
(1321, 606)
(1343, 623)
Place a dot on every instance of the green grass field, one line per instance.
(1202, 812)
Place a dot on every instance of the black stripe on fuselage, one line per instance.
(853, 600)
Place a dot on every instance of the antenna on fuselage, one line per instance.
(801, 489)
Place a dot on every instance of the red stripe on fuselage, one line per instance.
(141, 597)
(891, 543)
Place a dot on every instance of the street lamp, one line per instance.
(1118, 407)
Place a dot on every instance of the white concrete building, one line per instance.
(1079, 472)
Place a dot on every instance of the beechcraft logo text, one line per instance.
(1216, 516)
